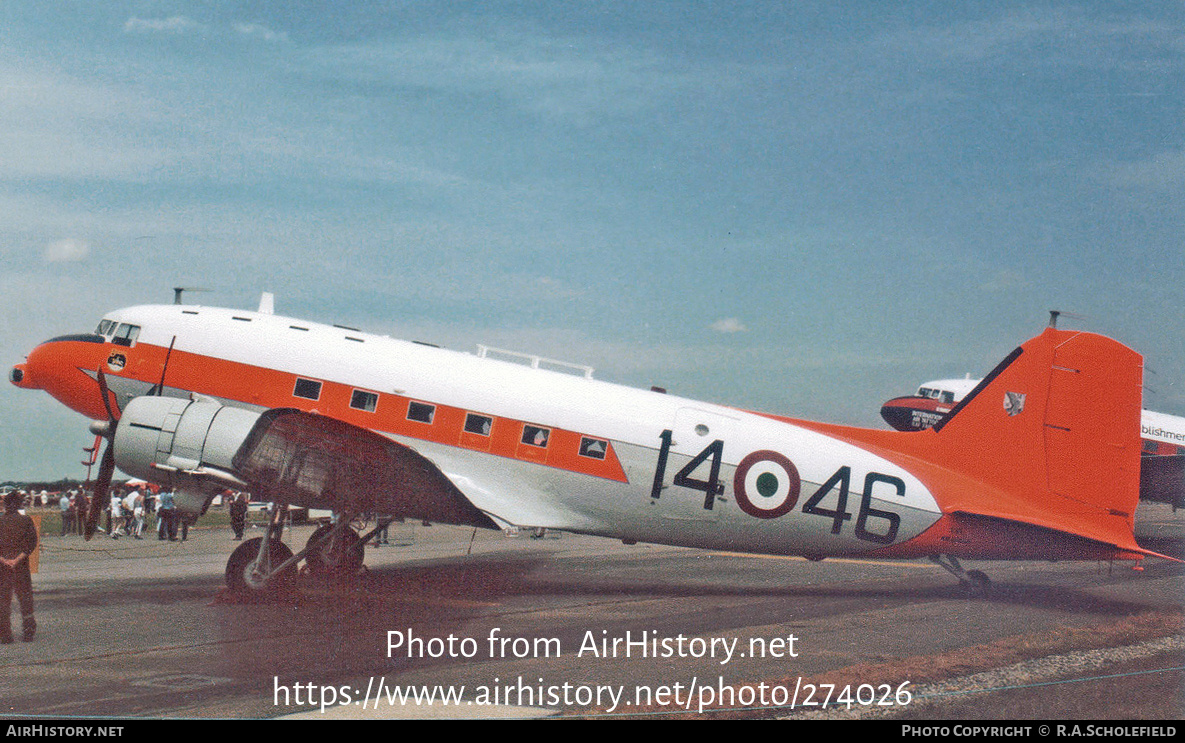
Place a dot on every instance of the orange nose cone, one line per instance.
(57, 366)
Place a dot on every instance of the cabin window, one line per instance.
(420, 412)
(479, 424)
(593, 448)
(126, 334)
(309, 389)
(535, 436)
(363, 400)
(948, 397)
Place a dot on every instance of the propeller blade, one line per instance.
(158, 389)
(112, 411)
(101, 496)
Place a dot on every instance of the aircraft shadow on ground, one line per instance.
(478, 583)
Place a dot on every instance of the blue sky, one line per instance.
(805, 208)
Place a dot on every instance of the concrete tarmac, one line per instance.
(491, 626)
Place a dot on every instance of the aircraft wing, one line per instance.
(509, 499)
(311, 460)
(321, 462)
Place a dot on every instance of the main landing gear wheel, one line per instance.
(247, 577)
(340, 554)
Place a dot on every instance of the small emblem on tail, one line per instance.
(1014, 402)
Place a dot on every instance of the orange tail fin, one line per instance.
(1057, 424)
(1041, 460)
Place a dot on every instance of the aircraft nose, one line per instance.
(57, 366)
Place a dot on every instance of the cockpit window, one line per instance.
(126, 334)
(105, 328)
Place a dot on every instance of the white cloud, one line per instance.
(255, 30)
(728, 325)
(67, 251)
(177, 24)
(1006, 281)
(565, 77)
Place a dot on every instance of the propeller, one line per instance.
(101, 496)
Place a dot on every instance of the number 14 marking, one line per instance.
(710, 487)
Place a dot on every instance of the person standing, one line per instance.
(238, 515)
(18, 539)
(79, 503)
(66, 510)
(115, 510)
(138, 515)
(129, 505)
(166, 527)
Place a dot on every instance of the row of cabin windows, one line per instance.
(422, 412)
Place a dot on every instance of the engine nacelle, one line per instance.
(185, 445)
(199, 447)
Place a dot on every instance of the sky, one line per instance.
(802, 208)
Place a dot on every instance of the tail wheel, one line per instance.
(341, 554)
(242, 577)
(978, 582)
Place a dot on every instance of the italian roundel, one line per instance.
(766, 485)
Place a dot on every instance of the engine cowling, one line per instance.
(186, 445)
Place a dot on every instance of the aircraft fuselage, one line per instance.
(535, 447)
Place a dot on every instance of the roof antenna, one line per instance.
(1053, 314)
(178, 289)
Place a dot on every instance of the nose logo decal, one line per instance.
(116, 362)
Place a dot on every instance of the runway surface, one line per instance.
(143, 629)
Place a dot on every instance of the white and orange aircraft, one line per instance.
(201, 398)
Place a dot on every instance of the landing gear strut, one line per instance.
(975, 581)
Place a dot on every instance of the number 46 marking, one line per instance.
(842, 478)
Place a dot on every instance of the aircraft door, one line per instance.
(690, 481)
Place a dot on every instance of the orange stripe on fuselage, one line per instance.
(270, 388)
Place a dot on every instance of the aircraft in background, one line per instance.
(198, 399)
(1162, 467)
